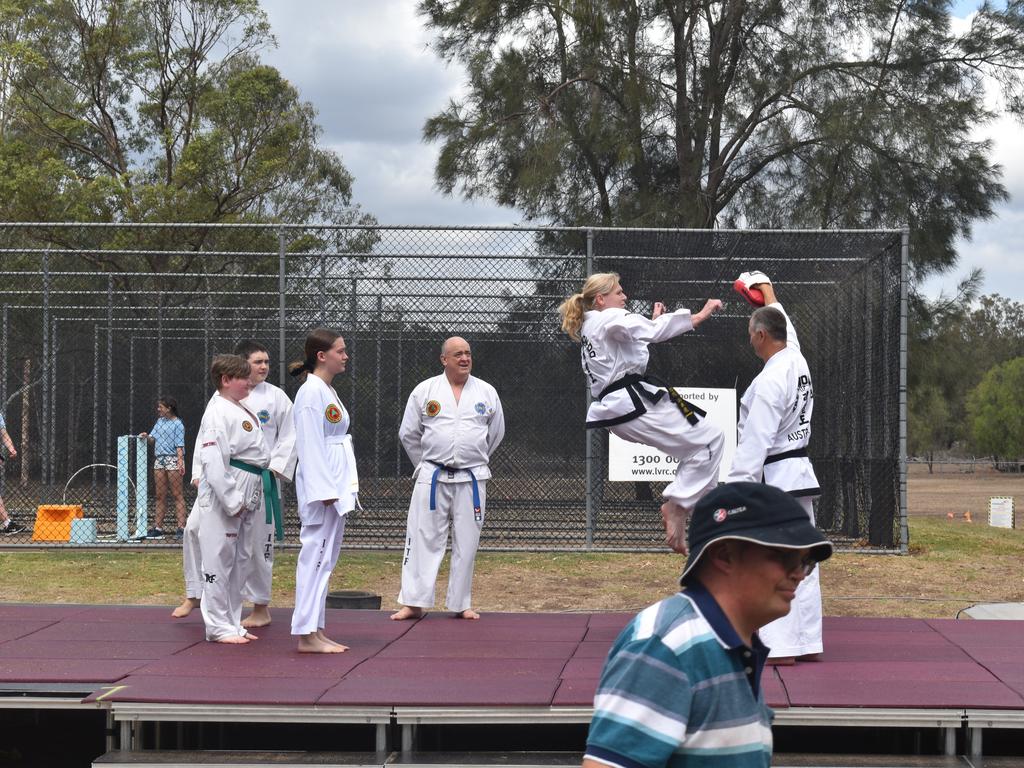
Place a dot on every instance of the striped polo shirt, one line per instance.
(679, 688)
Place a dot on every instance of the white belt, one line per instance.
(337, 439)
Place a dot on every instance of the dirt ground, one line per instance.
(951, 489)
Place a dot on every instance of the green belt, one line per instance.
(270, 496)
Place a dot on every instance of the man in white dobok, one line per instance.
(452, 424)
(774, 431)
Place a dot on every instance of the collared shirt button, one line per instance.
(746, 654)
(749, 671)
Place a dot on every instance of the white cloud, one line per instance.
(368, 69)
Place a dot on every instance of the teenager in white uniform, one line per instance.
(774, 431)
(614, 354)
(452, 424)
(274, 410)
(326, 483)
(234, 458)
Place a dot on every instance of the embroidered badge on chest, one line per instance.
(433, 408)
(263, 416)
(333, 413)
(247, 425)
(480, 408)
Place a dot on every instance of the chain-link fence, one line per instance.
(98, 321)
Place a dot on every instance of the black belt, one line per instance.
(630, 383)
(796, 453)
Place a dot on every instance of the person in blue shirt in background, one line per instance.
(168, 438)
(7, 526)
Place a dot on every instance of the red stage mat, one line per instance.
(141, 654)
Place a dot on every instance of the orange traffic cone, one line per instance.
(967, 517)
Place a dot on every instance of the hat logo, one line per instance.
(720, 515)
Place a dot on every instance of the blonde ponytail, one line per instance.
(572, 309)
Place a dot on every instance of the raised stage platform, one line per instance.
(156, 682)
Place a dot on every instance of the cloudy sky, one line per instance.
(368, 69)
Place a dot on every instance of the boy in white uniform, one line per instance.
(234, 459)
(274, 410)
(774, 432)
(452, 424)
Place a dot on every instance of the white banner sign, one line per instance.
(1000, 511)
(630, 462)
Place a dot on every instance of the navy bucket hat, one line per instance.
(753, 512)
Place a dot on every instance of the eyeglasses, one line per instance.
(793, 560)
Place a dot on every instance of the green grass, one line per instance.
(947, 558)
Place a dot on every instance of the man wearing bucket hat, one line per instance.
(774, 434)
(682, 683)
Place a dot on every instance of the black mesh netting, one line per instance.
(97, 322)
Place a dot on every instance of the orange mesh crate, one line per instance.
(53, 521)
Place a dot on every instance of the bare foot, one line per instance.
(260, 617)
(250, 636)
(183, 610)
(469, 613)
(674, 518)
(312, 644)
(321, 636)
(407, 612)
(781, 661)
(233, 640)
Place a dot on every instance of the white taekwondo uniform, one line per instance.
(228, 501)
(613, 346)
(774, 431)
(327, 470)
(449, 445)
(274, 410)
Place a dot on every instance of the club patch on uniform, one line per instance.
(247, 425)
(207, 445)
(481, 408)
(263, 416)
(720, 515)
(433, 408)
(333, 413)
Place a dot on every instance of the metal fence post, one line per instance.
(159, 344)
(589, 435)
(95, 400)
(904, 341)
(108, 441)
(376, 388)
(51, 447)
(282, 364)
(44, 430)
(352, 349)
(3, 363)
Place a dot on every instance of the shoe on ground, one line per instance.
(154, 533)
(179, 533)
(12, 528)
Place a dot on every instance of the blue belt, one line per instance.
(453, 470)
